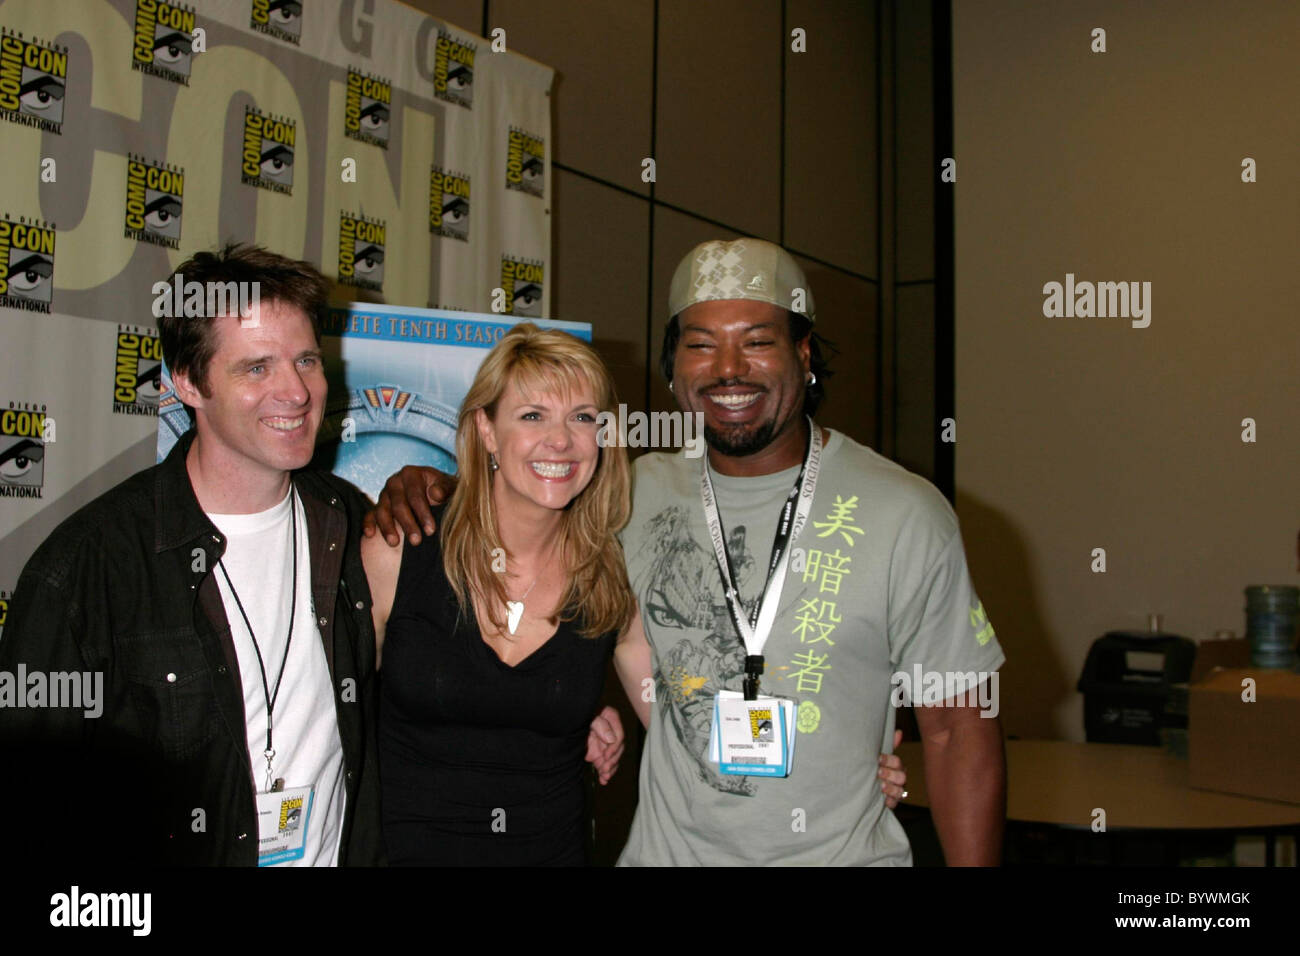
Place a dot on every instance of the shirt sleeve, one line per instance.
(62, 756)
(940, 626)
(44, 634)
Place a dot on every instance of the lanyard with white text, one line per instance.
(755, 629)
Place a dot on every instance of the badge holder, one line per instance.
(283, 818)
(752, 738)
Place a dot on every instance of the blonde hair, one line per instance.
(597, 589)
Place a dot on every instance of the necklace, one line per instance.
(515, 609)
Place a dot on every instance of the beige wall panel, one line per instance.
(601, 239)
(831, 168)
(719, 106)
(1083, 433)
(917, 168)
(917, 424)
(603, 56)
(846, 315)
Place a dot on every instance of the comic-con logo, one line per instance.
(4, 607)
(26, 264)
(33, 77)
(449, 204)
(164, 37)
(521, 280)
(137, 373)
(366, 108)
(154, 195)
(266, 157)
(453, 70)
(23, 430)
(281, 19)
(525, 162)
(361, 252)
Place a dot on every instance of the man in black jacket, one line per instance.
(214, 615)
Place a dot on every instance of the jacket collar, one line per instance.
(179, 520)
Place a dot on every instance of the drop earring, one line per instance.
(492, 461)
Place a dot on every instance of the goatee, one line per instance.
(741, 440)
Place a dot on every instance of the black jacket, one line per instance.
(125, 587)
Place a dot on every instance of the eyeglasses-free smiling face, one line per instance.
(735, 362)
(266, 392)
(544, 443)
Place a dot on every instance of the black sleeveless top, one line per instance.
(481, 763)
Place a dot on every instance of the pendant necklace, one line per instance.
(515, 609)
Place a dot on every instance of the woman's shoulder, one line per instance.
(390, 561)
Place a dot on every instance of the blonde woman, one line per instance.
(496, 631)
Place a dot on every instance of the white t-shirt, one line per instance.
(308, 749)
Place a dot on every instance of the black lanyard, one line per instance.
(269, 753)
(794, 514)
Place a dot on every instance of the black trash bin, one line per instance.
(1134, 685)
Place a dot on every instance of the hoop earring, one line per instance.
(492, 461)
(812, 378)
(670, 387)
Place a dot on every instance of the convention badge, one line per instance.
(751, 737)
(282, 820)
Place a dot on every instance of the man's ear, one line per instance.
(186, 390)
(486, 431)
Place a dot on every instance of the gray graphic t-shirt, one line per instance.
(877, 584)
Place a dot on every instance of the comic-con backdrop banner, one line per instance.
(402, 155)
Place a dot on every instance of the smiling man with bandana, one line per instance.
(873, 582)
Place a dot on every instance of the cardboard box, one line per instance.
(1233, 652)
(1247, 748)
